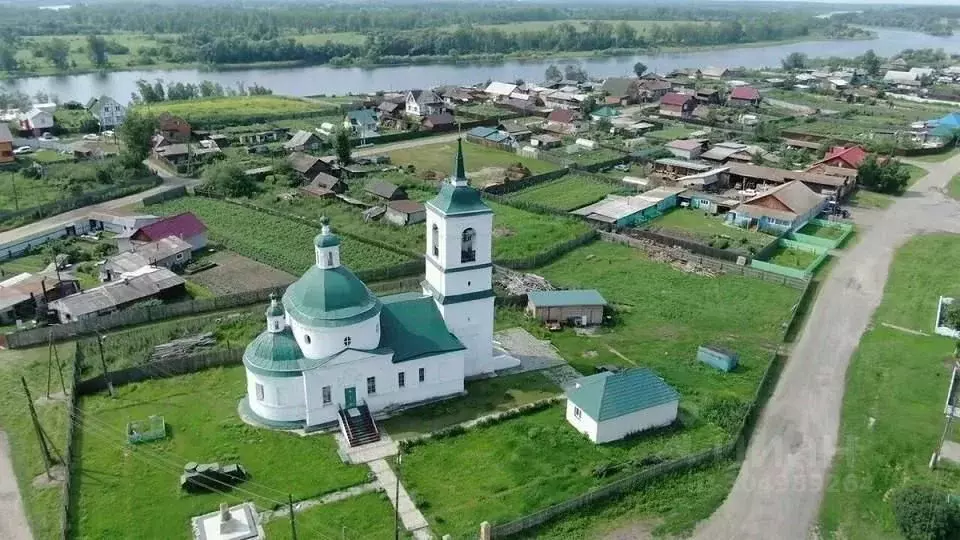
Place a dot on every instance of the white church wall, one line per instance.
(325, 342)
(443, 376)
(472, 323)
(454, 283)
(283, 398)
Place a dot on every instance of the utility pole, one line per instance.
(293, 519)
(44, 451)
(103, 364)
(396, 499)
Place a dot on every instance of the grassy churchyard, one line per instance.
(897, 382)
(365, 516)
(569, 192)
(501, 472)
(120, 487)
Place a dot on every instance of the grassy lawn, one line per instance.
(916, 173)
(568, 193)
(830, 233)
(224, 111)
(589, 157)
(953, 188)
(483, 397)
(900, 381)
(114, 481)
(791, 257)
(439, 157)
(711, 230)
(49, 156)
(501, 472)
(366, 516)
(519, 234)
(670, 133)
(281, 243)
(870, 199)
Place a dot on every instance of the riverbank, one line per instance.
(476, 59)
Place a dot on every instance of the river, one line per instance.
(314, 80)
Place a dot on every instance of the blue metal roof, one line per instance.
(607, 395)
(481, 131)
(576, 297)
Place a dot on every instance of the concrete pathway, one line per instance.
(13, 519)
(411, 518)
(326, 499)
(780, 486)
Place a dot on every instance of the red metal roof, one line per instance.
(563, 116)
(182, 225)
(748, 93)
(674, 98)
(852, 156)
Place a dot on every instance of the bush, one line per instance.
(923, 513)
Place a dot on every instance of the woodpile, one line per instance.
(182, 347)
(516, 283)
(676, 257)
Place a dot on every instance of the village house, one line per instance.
(563, 120)
(262, 137)
(744, 96)
(483, 134)
(715, 73)
(676, 105)
(6, 145)
(687, 148)
(420, 103)
(722, 152)
(545, 141)
(25, 296)
(844, 157)
(362, 123)
(35, 121)
(108, 112)
(621, 90)
(712, 203)
(576, 307)
(405, 212)
(454, 96)
(387, 191)
(610, 406)
(747, 176)
(616, 211)
(439, 122)
(173, 128)
(558, 99)
(707, 96)
(604, 113)
(324, 185)
(783, 208)
(654, 89)
(171, 253)
(673, 167)
(902, 80)
(333, 353)
(516, 131)
(308, 166)
(390, 109)
(180, 155)
(303, 141)
(119, 221)
(184, 226)
(498, 90)
(146, 284)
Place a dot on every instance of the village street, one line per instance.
(781, 482)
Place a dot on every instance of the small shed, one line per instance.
(405, 212)
(609, 406)
(385, 190)
(718, 357)
(582, 307)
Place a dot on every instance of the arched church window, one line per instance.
(306, 338)
(346, 341)
(276, 325)
(435, 240)
(329, 259)
(467, 251)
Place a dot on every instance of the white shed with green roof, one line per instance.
(608, 406)
(582, 307)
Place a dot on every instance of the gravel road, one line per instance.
(13, 520)
(781, 482)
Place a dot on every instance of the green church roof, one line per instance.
(329, 297)
(610, 395)
(326, 238)
(411, 325)
(274, 353)
(459, 199)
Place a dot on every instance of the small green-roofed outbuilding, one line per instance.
(581, 307)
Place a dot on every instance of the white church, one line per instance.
(335, 352)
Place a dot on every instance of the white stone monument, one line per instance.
(229, 523)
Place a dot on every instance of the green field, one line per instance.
(568, 193)
(439, 157)
(240, 109)
(114, 482)
(711, 230)
(792, 257)
(900, 380)
(278, 242)
(670, 133)
(80, 57)
(366, 516)
(662, 315)
(938, 158)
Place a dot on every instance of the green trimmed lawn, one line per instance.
(567, 193)
(368, 515)
(711, 230)
(899, 380)
(916, 173)
(503, 471)
(114, 482)
(792, 257)
(830, 233)
(439, 157)
(669, 133)
(483, 397)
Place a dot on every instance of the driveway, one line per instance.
(781, 481)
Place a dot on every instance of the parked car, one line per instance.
(22, 150)
(622, 168)
(47, 136)
(108, 133)
(91, 137)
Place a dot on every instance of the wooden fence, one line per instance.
(161, 369)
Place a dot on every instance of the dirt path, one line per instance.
(13, 520)
(778, 491)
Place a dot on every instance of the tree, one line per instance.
(886, 177)
(97, 48)
(341, 144)
(58, 51)
(871, 63)
(552, 73)
(794, 61)
(227, 179)
(589, 104)
(575, 73)
(639, 68)
(924, 513)
(8, 59)
(136, 134)
(603, 125)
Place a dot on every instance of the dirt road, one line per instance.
(13, 520)
(778, 491)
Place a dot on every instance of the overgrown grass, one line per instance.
(483, 397)
(366, 516)
(230, 110)
(114, 482)
(568, 193)
(662, 315)
(711, 230)
(953, 188)
(937, 158)
(897, 383)
(439, 157)
(792, 257)
(518, 233)
(869, 199)
(830, 233)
